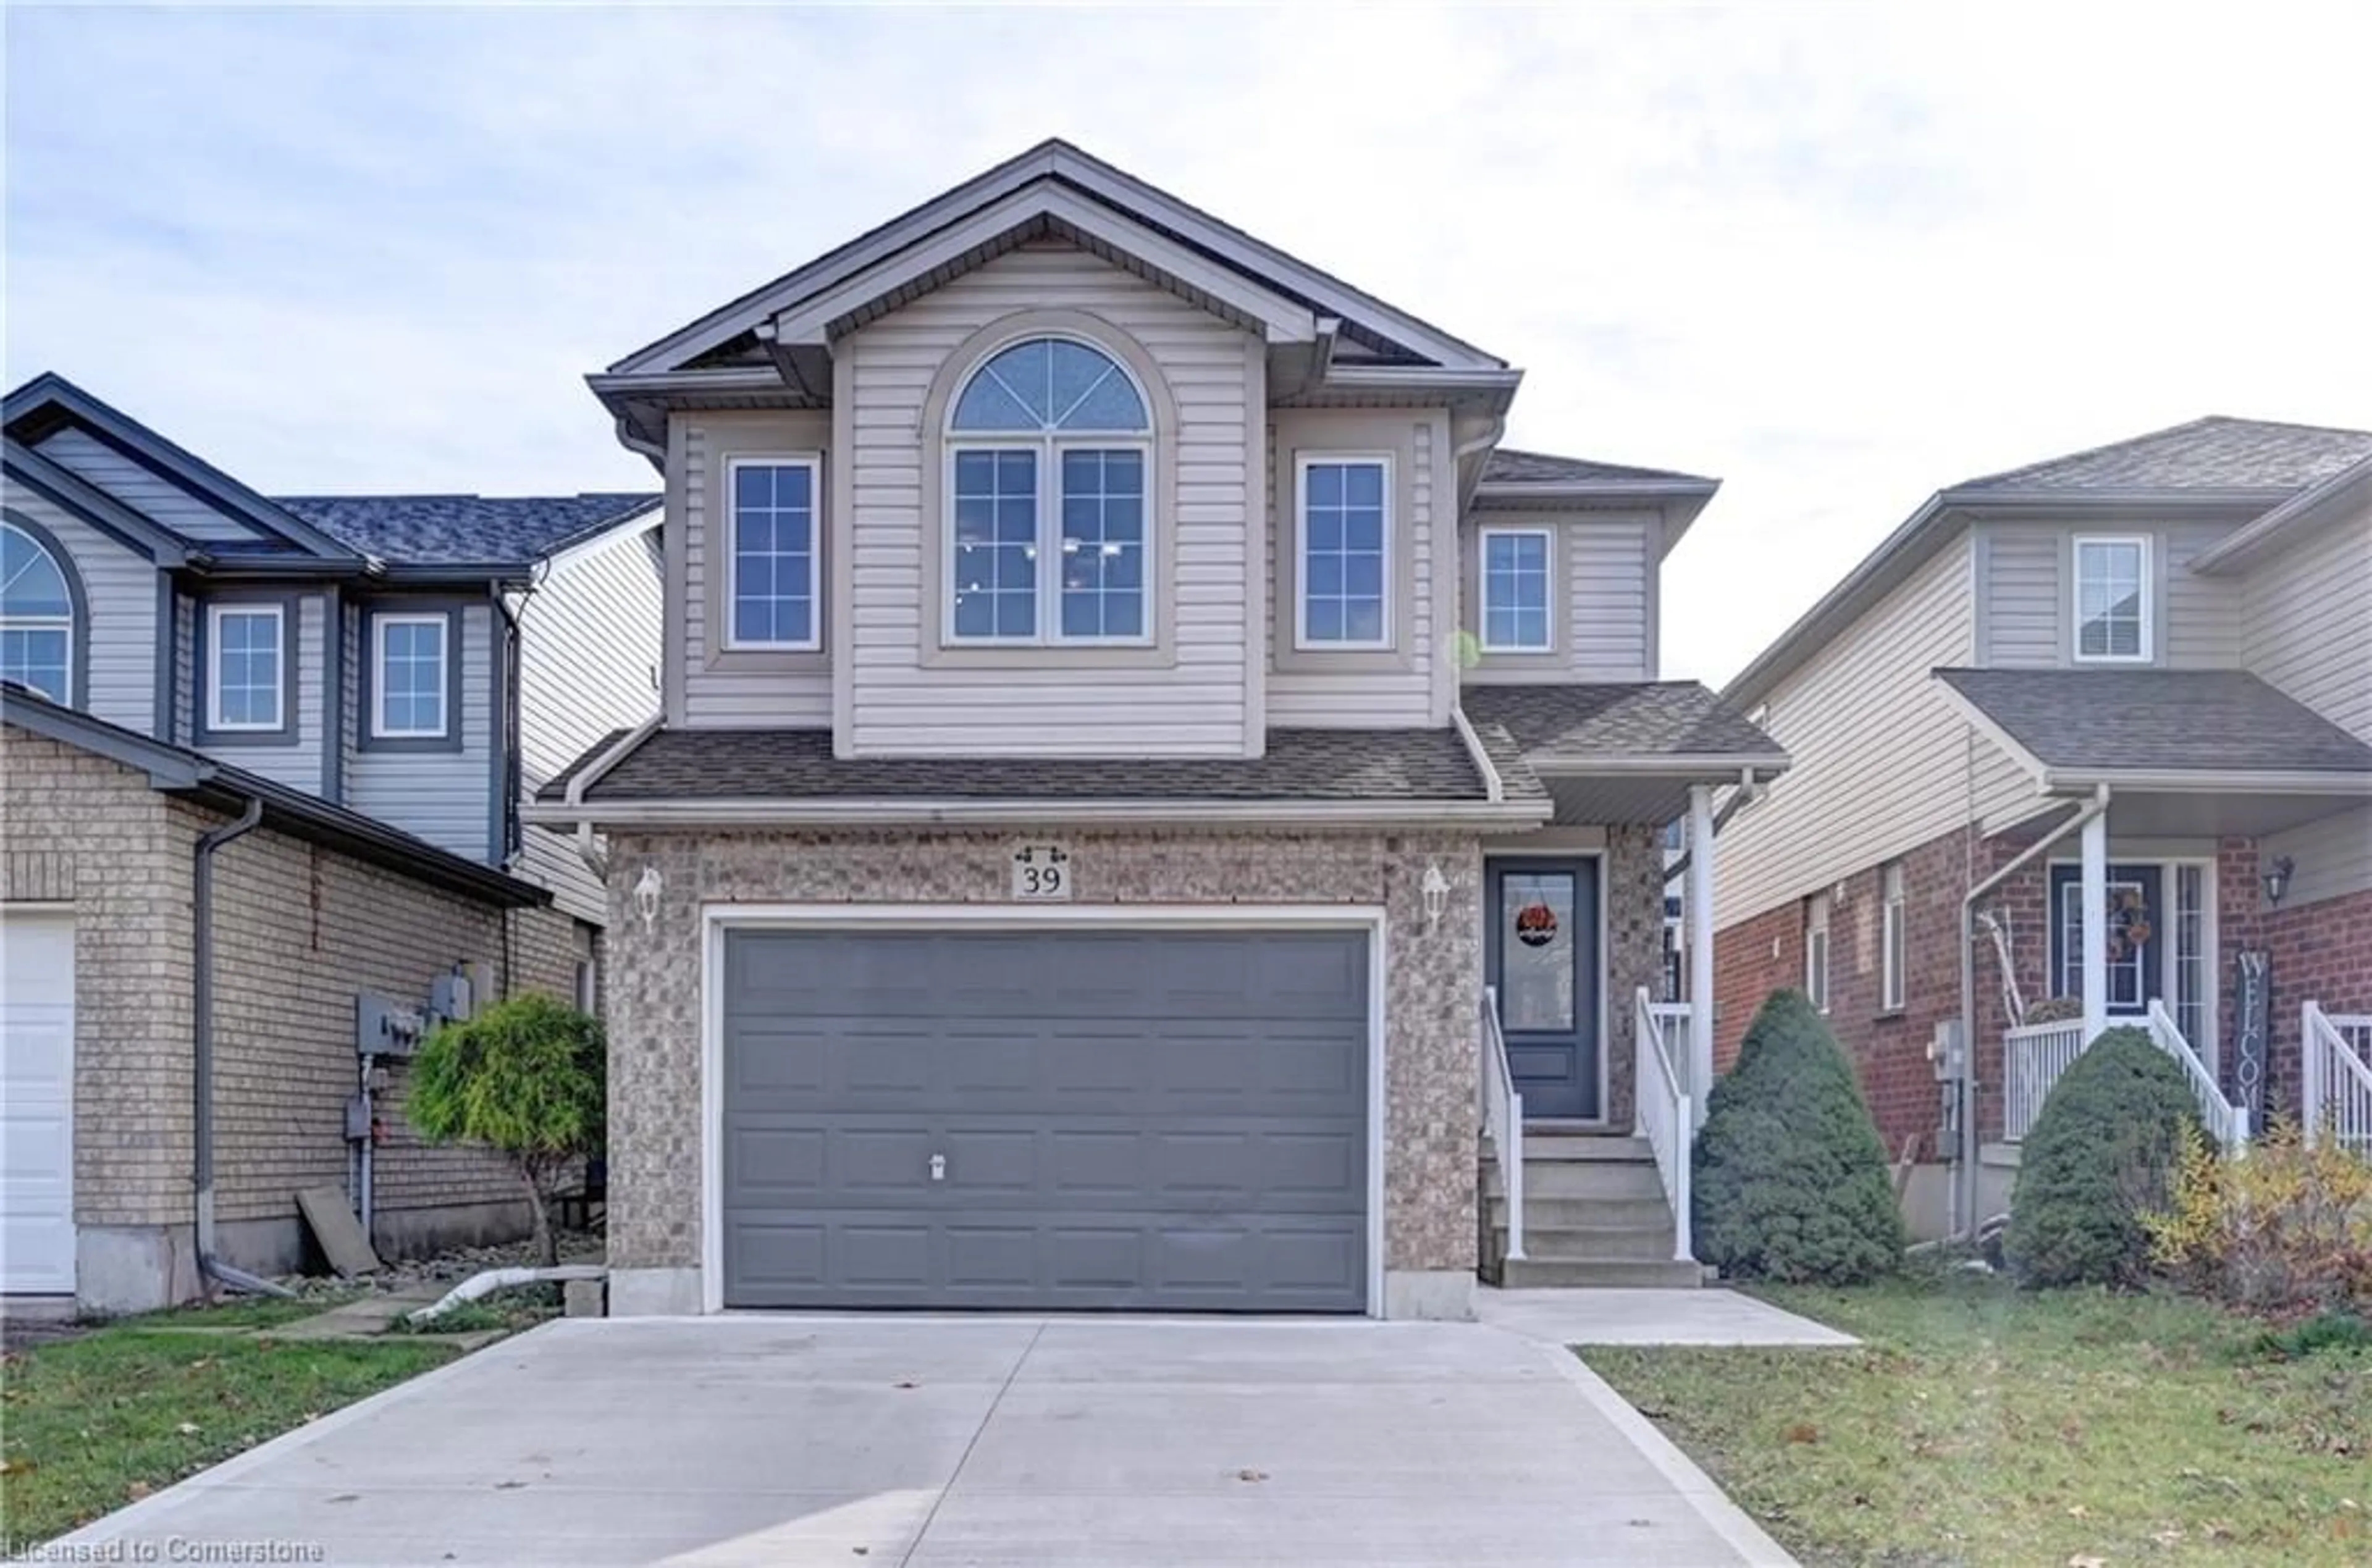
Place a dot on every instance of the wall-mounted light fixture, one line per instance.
(1435, 888)
(2277, 880)
(646, 896)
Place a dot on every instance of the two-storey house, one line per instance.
(1143, 779)
(2085, 743)
(262, 765)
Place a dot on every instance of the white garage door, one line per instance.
(36, 1233)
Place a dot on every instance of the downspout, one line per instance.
(201, 1040)
(1964, 1165)
(1749, 790)
(1495, 788)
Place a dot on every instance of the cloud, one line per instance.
(1840, 256)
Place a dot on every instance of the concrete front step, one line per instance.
(1580, 1180)
(1599, 1244)
(1552, 1213)
(1534, 1274)
(1594, 1147)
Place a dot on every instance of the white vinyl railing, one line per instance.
(1664, 1116)
(2033, 1055)
(2227, 1123)
(1502, 1118)
(1673, 1020)
(2338, 1078)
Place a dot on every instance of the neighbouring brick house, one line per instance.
(1144, 781)
(2176, 630)
(368, 685)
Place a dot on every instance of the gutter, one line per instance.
(202, 1053)
(1702, 767)
(592, 773)
(1964, 1162)
(802, 811)
(1494, 789)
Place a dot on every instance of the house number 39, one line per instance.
(1041, 873)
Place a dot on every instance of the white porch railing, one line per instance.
(1672, 1021)
(1664, 1116)
(2338, 1078)
(2033, 1055)
(1502, 1118)
(2227, 1123)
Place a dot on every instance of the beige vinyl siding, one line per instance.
(589, 643)
(443, 796)
(1365, 691)
(297, 761)
(1881, 760)
(2029, 595)
(119, 663)
(2307, 623)
(1061, 701)
(136, 487)
(1604, 592)
(733, 689)
(2328, 859)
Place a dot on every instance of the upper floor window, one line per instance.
(1343, 539)
(37, 616)
(2112, 601)
(771, 580)
(409, 664)
(1516, 591)
(1048, 446)
(246, 668)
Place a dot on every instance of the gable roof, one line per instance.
(2213, 453)
(1092, 199)
(469, 529)
(1673, 724)
(2081, 722)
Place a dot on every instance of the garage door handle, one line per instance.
(938, 1168)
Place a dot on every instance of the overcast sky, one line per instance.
(1839, 258)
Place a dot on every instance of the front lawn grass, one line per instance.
(89, 1424)
(1980, 1425)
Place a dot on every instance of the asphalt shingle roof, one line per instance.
(1300, 764)
(2170, 720)
(1677, 718)
(2214, 453)
(1507, 466)
(447, 529)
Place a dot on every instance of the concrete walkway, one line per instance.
(1103, 1442)
(1648, 1318)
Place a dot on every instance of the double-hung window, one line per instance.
(37, 619)
(2112, 601)
(1050, 457)
(409, 662)
(1893, 931)
(246, 672)
(1816, 951)
(771, 582)
(1517, 589)
(1343, 543)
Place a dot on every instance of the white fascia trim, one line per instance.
(1711, 767)
(2210, 781)
(1494, 787)
(1586, 489)
(808, 321)
(735, 379)
(1402, 377)
(857, 812)
(640, 522)
(1986, 726)
(594, 772)
(2236, 549)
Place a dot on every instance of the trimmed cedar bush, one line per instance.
(528, 1077)
(2103, 1154)
(1791, 1181)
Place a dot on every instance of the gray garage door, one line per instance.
(1170, 1121)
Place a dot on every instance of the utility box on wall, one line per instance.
(387, 1029)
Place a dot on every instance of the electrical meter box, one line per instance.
(387, 1029)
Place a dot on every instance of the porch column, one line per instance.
(2096, 927)
(1700, 901)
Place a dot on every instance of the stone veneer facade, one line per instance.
(300, 928)
(1432, 991)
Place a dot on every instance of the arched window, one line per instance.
(37, 615)
(1048, 446)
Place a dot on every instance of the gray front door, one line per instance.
(1150, 1120)
(1540, 952)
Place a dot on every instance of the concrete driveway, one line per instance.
(929, 1441)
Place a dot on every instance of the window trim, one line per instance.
(76, 620)
(2147, 588)
(282, 725)
(1547, 534)
(1893, 938)
(1817, 925)
(380, 622)
(366, 676)
(727, 608)
(1049, 446)
(1303, 461)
